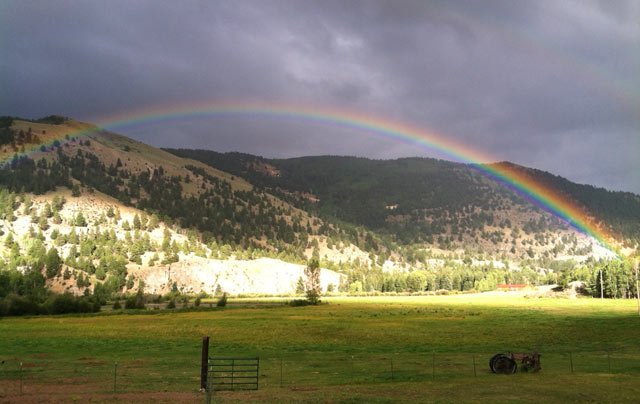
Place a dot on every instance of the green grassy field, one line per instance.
(374, 349)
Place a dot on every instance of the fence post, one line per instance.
(391, 368)
(352, 372)
(115, 376)
(204, 363)
(474, 366)
(571, 361)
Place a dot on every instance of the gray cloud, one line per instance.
(549, 84)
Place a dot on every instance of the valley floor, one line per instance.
(374, 349)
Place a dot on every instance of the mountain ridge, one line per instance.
(592, 199)
(404, 225)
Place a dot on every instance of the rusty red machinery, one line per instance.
(507, 363)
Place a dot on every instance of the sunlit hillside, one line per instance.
(98, 214)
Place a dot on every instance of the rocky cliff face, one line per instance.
(261, 276)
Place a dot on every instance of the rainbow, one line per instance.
(541, 195)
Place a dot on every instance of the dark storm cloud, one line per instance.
(548, 84)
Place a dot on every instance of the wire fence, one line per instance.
(36, 375)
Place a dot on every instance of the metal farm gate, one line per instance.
(227, 373)
(230, 374)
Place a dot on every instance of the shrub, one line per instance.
(222, 302)
(298, 302)
(15, 305)
(67, 303)
(134, 302)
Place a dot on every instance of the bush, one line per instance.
(15, 305)
(171, 304)
(67, 303)
(222, 302)
(134, 302)
(117, 305)
(299, 303)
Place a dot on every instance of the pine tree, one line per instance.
(313, 288)
(56, 218)
(8, 241)
(166, 241)
(43, 223)
(136, 222)
(79, 220)
(100, 274)
(52, 262)
(300, 286)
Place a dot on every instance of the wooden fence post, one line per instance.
(475, 374)
(392, 369)
(204, 363)
(571, 361)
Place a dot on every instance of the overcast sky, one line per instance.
(553, 85)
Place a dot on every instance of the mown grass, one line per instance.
(350, 349)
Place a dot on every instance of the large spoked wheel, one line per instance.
(493, 359)
(503, 364)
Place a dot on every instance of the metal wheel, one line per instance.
(492, 360)
(504, 365)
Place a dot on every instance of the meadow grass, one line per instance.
(346, 350)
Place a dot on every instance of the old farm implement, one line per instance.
(508, 363)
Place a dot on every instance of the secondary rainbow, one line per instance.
(538, 193)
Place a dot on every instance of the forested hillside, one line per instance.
(437, 202)
(619, 210)
(100, 217)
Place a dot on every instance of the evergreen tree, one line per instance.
(100, 273)
(312, 288)
(137, 225)
(300, 286)
(79, 220)
(52, 262)
(75, 191)
(47, 212)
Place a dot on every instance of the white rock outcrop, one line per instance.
(261, 276)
